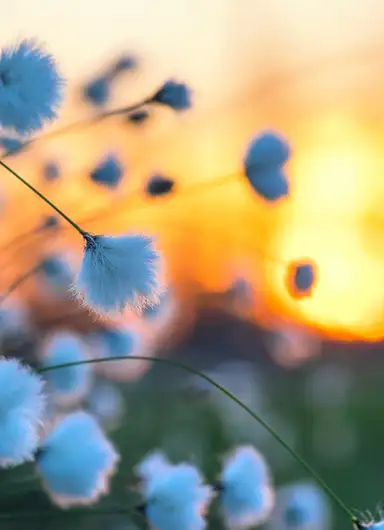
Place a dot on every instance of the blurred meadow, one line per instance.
(312, 366)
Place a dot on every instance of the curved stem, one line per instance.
(19, 281)
(43, 197)
(231, 396)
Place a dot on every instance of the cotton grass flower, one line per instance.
(108, 172)
(97, 91)
(151, 466)
(300, 506)
(31, 89)
(263, 162)
(107, 404)
(176, 499)
(159, 185)
(301, 278)
(119, 341)
(51, 171)
(70, 384)
(21, 412)
(76, 461)
(246, 495)
(118, 273)
(12, 146)
(175, 95)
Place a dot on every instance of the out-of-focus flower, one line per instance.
(300, 506)
(21, 412)
(106, 403)
(119, 341)
(12, 146)
(31, 88)
(301, 278)
(124, 64)
(118, 273)
(51, 171)
(76, 461)
(151, 466)
(108, 172)
(263, 162)
(57, 273)
(152, 311)
(177, 499)
(246, 495)
(68, 385)
(175, 95)
(138, 117)
(49, 222)
(97, 91)
(159, 185)
(14, 318)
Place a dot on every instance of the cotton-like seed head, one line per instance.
(68, 385)
(263, 163)
(51, 171)
(31, 88)
(49, 222)
(76, 461)
(124, 64)
(246, 497)
(266, 151)
(138, 117)
(159, 185)
(12, 146)
(118, 273)
(300, 506)
(176, 498)
(106, 403)
(117, 342)
(57, 273)
(151, 465)
(301, 278)
(175, 95)
(108, 172)
(152, 311)
(21, 412)
(97, 92)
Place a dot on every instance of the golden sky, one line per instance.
(310, 68)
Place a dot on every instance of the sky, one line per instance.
(310, 68)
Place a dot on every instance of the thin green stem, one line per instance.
(43, 197)
(231, 396)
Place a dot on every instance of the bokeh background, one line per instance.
(312, 70)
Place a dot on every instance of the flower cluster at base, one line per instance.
(177, 499)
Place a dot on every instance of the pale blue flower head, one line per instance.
(67, 385)
(31, 88)
(106, 403)
(150, 312)
(97, 92)
(138, 116)
(51, 171)
(301, 277)
(57, 273)
(76, 461)
(300, 506)
(50, 222)
(12, 146)
(124, 64)
(108, 172)
(175, 95)
(159, 185)
(118, 273)
(120, 341)
(263, 162)
(22, 406)
(176, 499)
(246, 495)
(151, 466)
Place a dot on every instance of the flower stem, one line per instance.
(231, 396)
(43, 197)
(19, 281)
